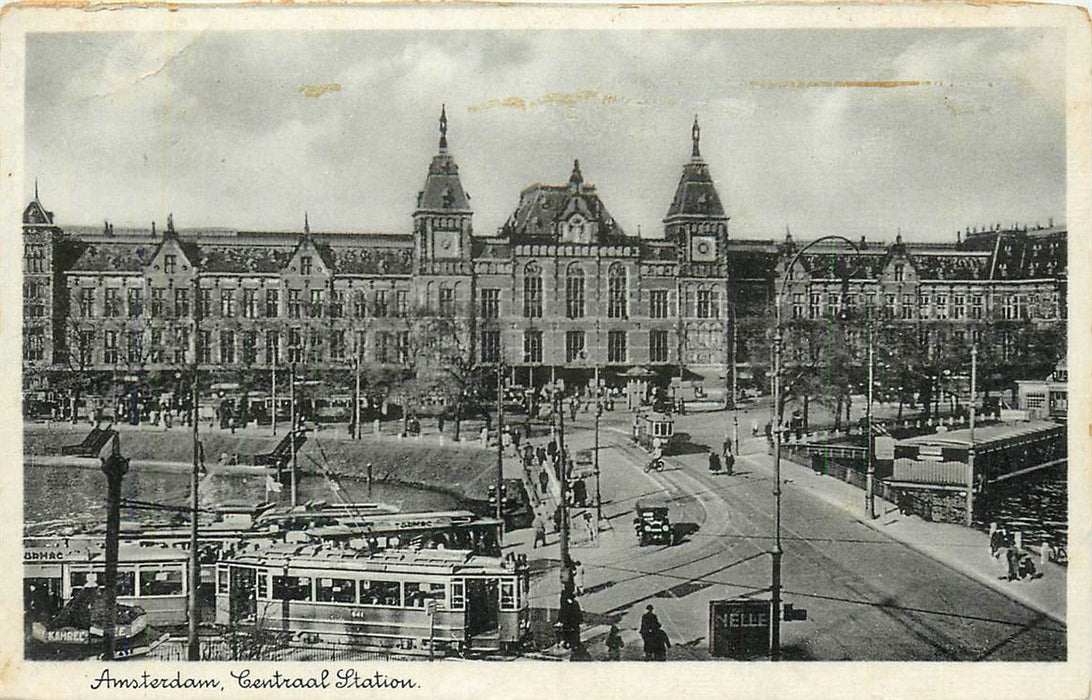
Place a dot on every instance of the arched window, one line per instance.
(532, 290)
(616, 291)
(574, 291)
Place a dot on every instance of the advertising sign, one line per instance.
(739, 629)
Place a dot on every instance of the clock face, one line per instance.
(703, 249)
(445, 244)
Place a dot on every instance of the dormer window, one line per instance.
(899, 273)
(169, 263)
(305, 265)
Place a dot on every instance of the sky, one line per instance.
(249, 130)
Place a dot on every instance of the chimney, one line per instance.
(153, 229)
(1051, 223)
(958, 237)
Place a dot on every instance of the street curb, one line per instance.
(954, 564)
(989, 581)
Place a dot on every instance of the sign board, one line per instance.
(884, 447)
(583, 527)
(739, 629)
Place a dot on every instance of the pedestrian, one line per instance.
(540, 532)
(483, 436)
(506, 439)
(569, 618)
(551, 449)
(488, 422)
(614, 644)
(650, 624)
(516, 437)
(1046, 553)
(754, 428)
(714, 462)
(660, 645)
(997, 540)
(540, 452)
(578, 577)
(544, 481)
(1012, 560)
(440, 424)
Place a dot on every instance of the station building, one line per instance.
(559, 289)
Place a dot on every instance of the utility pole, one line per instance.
(598, 410)
(114, 466)
(292, 430)
(775, 555)
(193, 644)
(273, 382)
(500, 441)
(563, 477)
(870, 484)
(356, 397)
(969, 518)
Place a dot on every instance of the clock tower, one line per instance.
(441, 221)
(696, 221)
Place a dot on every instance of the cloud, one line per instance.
(215, 128)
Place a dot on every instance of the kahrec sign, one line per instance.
(739, 629)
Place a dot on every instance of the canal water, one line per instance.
(59, 497)
(1036, 505)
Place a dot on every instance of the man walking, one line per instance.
(650, 626)
(540, 532)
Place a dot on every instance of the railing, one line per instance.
(274, 649)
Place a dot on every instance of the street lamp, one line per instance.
(776, 554)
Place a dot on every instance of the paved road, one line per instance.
(868, 597)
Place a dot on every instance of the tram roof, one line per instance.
(318, 556)
(78, 550)
(985, 435)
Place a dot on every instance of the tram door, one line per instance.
(42, 598)
(244, 601)
(482, 606)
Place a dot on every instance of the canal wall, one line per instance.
(458, 469)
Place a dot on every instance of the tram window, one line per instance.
(126, 580)
(222, 580)
(418, 593)
(458, 595)
(508, 595)
(292, 587)
(160, 582)
(380, 593)
(263, 584)
(335, 590)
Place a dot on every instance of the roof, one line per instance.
(696, 195)
(985, 435)
(542, 207)
(443, 190)
(253, 253)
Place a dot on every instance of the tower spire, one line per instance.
(35, 189)
(306, 224)
(577, 178)
(443, 128)
(695, 134)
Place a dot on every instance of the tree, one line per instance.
(445, 362)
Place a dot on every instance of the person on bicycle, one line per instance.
(657, 460)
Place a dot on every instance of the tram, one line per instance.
(411, 601)
(150, 577)
(651, 428)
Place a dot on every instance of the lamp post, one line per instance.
(193, 644)
(292, 430)
(778, 551)
(500, 440)
(870, 495)
(969, 517)
(114, 466)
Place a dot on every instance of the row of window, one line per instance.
(575, 346)
(146, 582)
(940, 306)
(243, 346)
(229, 303)
(312, 345)
(370, 593)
